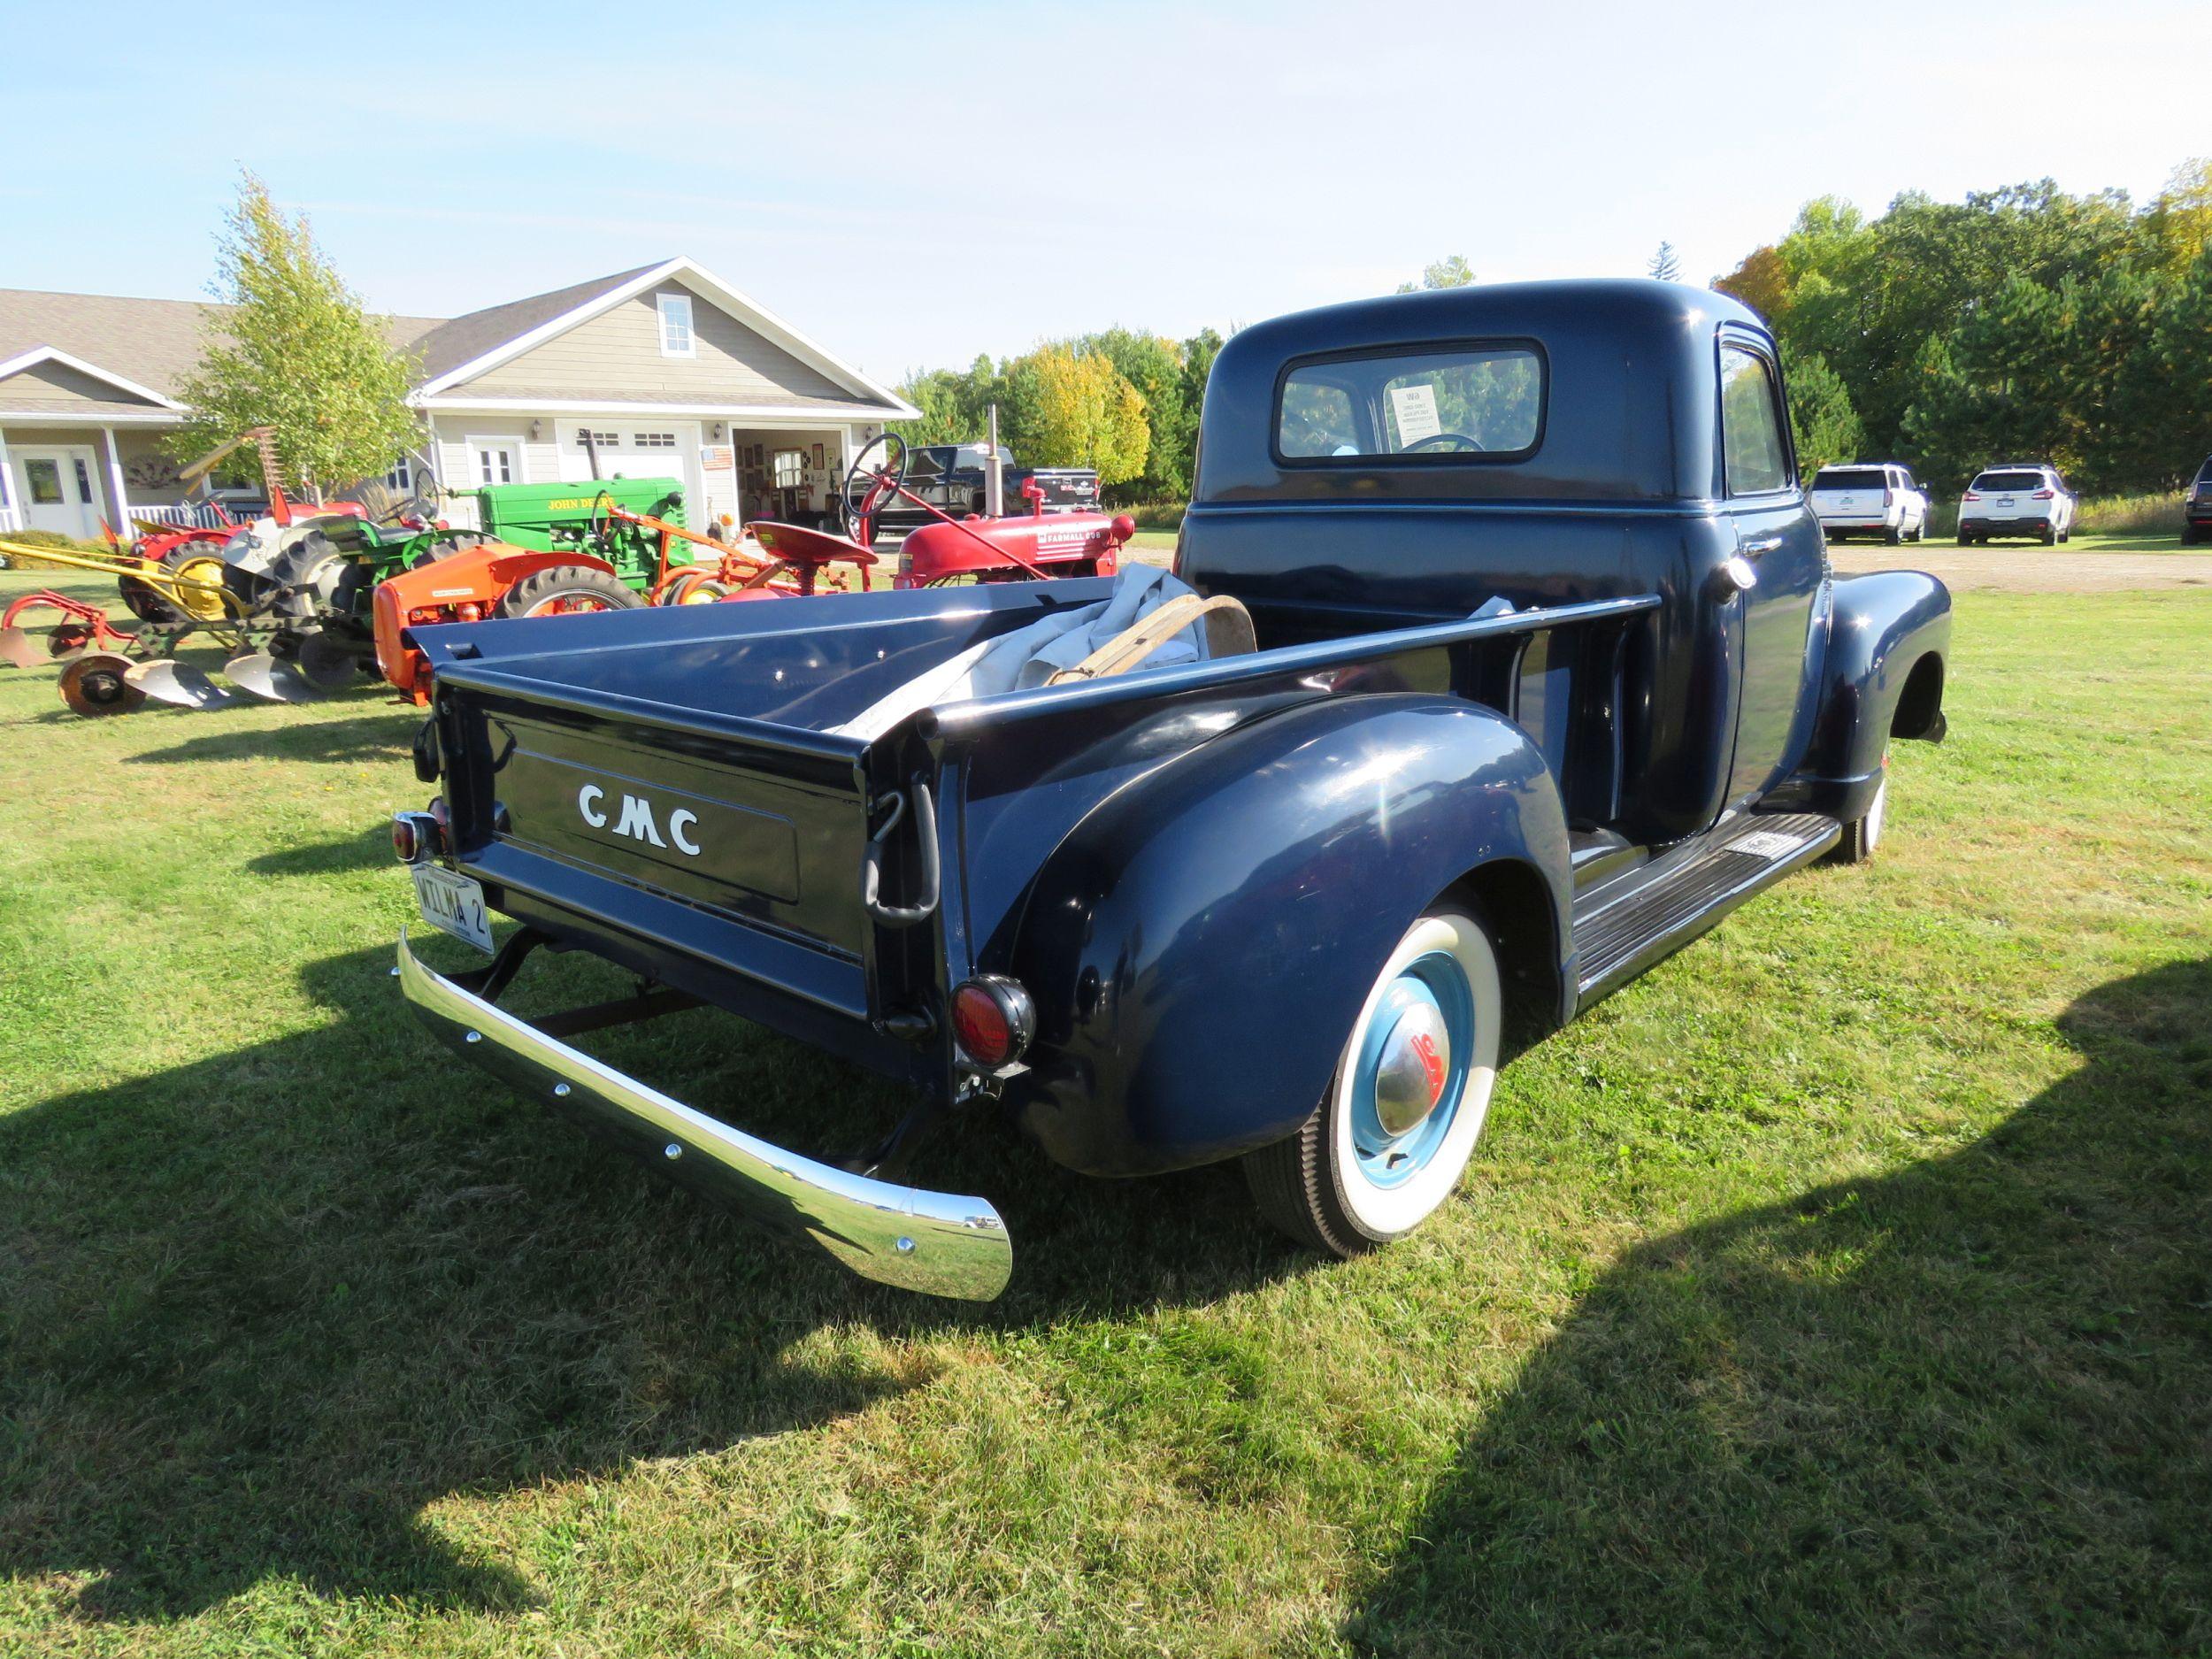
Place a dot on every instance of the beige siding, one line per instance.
(617, 355)
(58, 389)
(457, 461)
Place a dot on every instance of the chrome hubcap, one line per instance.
(1410, 1073)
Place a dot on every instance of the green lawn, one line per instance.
(1841, 1288)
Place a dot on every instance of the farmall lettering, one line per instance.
(634, 819)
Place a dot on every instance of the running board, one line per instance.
(1624, 927)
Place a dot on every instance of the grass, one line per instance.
(1839, 1287)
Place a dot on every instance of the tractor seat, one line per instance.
(798, 545)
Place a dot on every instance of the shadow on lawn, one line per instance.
(381, 734)
(1966, 1408)
(257, 1312)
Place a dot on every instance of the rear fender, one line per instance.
(1889, 644)
(478, 574)
(1200, 945)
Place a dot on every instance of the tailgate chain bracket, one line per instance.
(871, 862)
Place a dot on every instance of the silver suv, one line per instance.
(2026, 498)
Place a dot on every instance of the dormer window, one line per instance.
(676, 341)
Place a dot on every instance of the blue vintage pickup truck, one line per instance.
(1513, 662)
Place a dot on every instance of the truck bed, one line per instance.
(722, 716)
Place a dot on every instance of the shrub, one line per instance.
(2133, 515)
(49, 538)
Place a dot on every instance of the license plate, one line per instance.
(455, 903)
(2005, 501)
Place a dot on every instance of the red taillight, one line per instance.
(2042, 495)
(1972, 496)
(993, 1019)
(420, 835)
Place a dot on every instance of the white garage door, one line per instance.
(644, 448)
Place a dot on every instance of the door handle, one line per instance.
(1763, 544)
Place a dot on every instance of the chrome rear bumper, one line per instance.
(939, 1243)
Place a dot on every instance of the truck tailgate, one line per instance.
(748, 853)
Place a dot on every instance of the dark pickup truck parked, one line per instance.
(951, 477)
(1552, 672)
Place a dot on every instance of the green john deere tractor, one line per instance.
(594, 516)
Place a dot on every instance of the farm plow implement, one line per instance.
(284, 597)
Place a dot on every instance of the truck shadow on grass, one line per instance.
(382, 734)
(1966, 1408)
(259, 1311)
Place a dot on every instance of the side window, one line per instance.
(1751, 425)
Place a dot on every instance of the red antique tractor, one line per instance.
(1035, 545)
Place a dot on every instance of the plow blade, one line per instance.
(266, 676)
(180, 683)
(21, 648)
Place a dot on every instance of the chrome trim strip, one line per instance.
(942, 1244)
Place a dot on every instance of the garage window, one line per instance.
(676, 341)
(790, 468)
(655, 440)
(599, 440)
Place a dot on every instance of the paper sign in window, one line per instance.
(1414, 407)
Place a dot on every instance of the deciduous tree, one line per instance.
(1078, 411)
(295, 352)
(1451, 272)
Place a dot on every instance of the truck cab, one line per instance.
(1501, 657)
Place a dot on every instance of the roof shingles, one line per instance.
(155, 343)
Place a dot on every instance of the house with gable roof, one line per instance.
(662, 371)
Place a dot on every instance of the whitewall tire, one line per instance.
(1388, 1143)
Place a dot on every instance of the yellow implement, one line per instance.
(195, 587)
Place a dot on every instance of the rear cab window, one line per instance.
(1754, 451)
(2004, 483)
(1447, 404)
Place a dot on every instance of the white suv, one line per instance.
(2019, 499)
(1870, 498)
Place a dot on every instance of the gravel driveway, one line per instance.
(2033, 570)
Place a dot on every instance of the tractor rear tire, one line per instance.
(145, 601)
(561, 589)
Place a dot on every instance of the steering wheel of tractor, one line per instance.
(884, 480)
(600, 521)
(1458, 441)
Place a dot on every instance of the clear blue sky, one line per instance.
(917, 182)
